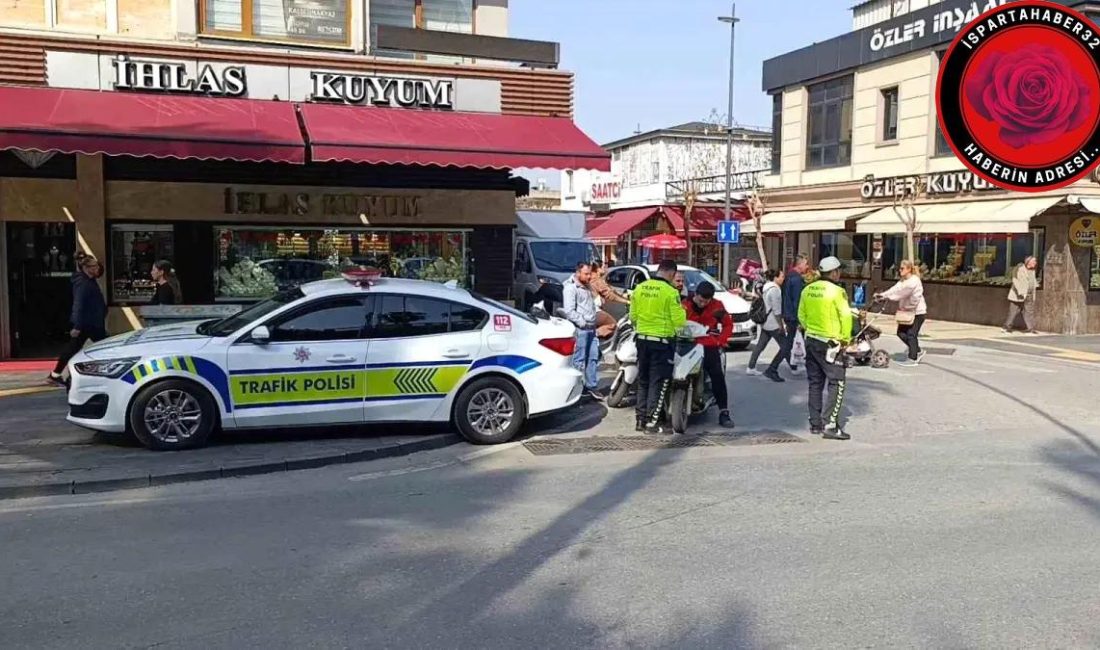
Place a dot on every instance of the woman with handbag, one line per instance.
(909, 294)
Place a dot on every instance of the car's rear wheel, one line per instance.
(173, 415)
(490, 411)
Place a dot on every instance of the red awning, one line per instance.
(704, 218)
(398, 136)
(161, 126)
(607, 230)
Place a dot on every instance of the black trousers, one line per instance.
(908, 335)
(821, 375)
(788, 342)
(712, 365)
(654, 376)
(74, 345)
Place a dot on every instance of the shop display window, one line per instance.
(854, 250)
(134, 249)
(985, 259)
(1094, 268)
(254, 263)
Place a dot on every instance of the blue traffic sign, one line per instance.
(729, 232)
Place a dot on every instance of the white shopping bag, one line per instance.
(798, 351)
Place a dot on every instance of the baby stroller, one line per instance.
(862, 350)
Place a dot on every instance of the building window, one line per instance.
(829, 141)
(986, 259)
(777, 131)
(656, 176)
(322, 22)
(254, 263)
(570, 188)
(438, 15)
(134, 249)
(890, 114)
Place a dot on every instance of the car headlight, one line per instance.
(548, 280)
(110, 368)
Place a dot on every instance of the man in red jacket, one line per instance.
(702, 308)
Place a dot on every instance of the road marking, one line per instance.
(1064, 353)
(13, 392)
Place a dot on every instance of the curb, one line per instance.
(438, 441)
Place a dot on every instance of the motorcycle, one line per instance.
(688, 396)
(626, 354)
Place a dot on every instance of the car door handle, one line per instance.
(456, 354)
(339, 358)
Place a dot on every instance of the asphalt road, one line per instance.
(964, 513)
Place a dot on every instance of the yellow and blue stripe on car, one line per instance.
(280, 387)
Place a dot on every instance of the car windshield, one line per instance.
(501, 306)
(227, 326)
(561, 256)
(693, 278)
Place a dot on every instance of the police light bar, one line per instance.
(362, 277)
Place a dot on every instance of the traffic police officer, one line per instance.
(826, 318)
(656, 313)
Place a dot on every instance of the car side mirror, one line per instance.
(261, 335)
(539, 312)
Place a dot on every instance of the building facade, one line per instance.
(258, 145)
(644, 193)
(853, 135)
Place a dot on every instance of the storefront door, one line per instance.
(40, 265)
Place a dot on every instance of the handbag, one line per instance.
(905, 317)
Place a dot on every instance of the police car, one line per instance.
(335, 352)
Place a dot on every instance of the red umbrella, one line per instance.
(664, 243)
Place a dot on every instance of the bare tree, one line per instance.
(756, 207)
(904, 199)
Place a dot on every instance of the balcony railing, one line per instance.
(744, 181)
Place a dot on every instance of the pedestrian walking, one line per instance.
(89, 315)
(773, 328)
(826, 318)
(1021, 296)
(580, 308)
(702, 308)
(793, 284)
(657, 314)
(909, 294)
(168, 285)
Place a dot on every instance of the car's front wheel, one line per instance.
(173, 415)
(490, 411)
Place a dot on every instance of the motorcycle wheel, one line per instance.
(620, 388)
(679, 408)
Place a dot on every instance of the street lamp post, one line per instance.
(732, 19)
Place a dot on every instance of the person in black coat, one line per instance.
(168, 285)
(89, 314)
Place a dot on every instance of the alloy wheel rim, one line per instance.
(173, 416)
(491, 411)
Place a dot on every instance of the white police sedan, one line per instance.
(335, 352)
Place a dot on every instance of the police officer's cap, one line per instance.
(829, 264)
(705, 290)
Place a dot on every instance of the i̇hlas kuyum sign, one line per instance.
(231, 81)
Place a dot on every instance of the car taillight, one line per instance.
(564, 347)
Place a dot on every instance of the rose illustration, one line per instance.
(1032, 93)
